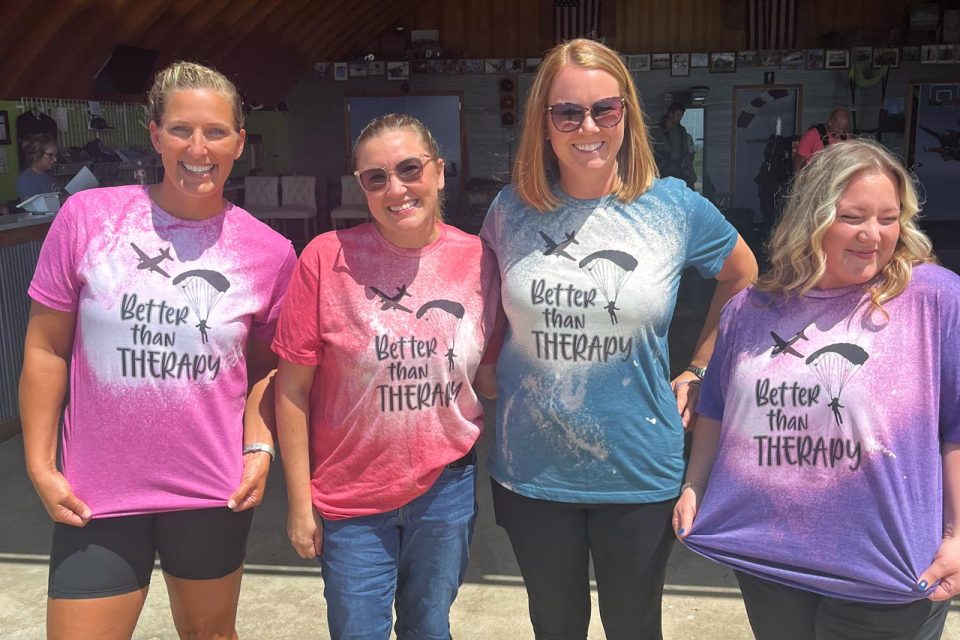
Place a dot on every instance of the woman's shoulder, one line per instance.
(932, 278)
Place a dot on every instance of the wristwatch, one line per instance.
(697, 371)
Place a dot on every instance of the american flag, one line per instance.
(576, 19)
(772, 24)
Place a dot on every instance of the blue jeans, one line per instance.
(416, 554)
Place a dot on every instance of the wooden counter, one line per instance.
(20, 239)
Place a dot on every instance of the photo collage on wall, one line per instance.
(677, 64)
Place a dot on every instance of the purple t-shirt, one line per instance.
(158, 381)
(827, 475)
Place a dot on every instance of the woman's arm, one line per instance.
(705, 439)
(43, 388)
(485, 380)
(739, 270)
(293, 411)
(946, 563)
(259, 425)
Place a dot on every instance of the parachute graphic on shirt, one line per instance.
(834, 365)
(609, 269)
(202, 289)
(444, 316)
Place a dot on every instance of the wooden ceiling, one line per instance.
(54, 48)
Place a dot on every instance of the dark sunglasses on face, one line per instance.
(606, 113)
(407, 171)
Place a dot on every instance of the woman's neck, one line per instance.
(589, 186)
(199, 208)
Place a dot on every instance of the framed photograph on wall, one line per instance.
(837, 59)
(660, 61)
(398, 70)
(639, 63)
(768, 59)
(793, 59)
(340, 71)
(377, 68)
(746, 59)
(862, 55)
(724, 62)
(358, 69)
(814, 59)
(680, 64)
(4, 127)
(699, 60)
(886, 57)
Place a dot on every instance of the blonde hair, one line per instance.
(402, 122)
(797, 260)
(536, 161)
(190, 75)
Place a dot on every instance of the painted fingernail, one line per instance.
(680, 532)
(922, 585)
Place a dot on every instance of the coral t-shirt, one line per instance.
(158, 381)
(396, 336)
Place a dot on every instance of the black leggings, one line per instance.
(779, 612)
(629, 543)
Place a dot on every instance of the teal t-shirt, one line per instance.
(585, 412)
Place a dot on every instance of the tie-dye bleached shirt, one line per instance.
(158, 377)
(585, 412)
(396, 336)
(827, 472)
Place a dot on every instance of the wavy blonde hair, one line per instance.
(190, 75)
(536, 161)
(797, 260)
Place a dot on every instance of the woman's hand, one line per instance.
(686, 387)
(685, 512)
(249, 493)
(305, 531)
(59, 500)
(945, 568)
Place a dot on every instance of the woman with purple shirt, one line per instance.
(830, 411)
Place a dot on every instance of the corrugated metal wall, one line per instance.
(17, 263)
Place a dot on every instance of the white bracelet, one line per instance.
(254, 447)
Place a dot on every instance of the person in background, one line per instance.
(588, 453)
(826, 457)
(166, 440)
(40, 152)
(821, 135)
(673, 146)
(381, 339)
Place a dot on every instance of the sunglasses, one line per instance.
(407, 171)
(606, 113)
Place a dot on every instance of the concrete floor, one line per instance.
(282, 594)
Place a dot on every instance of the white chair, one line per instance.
(353, 204)
(261, 196)
(299, 202)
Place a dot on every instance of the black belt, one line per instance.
(460, 463)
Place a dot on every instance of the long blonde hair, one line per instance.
(797, 261)
(536, 161)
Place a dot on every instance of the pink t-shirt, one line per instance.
(396, 336)
(158, 381)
